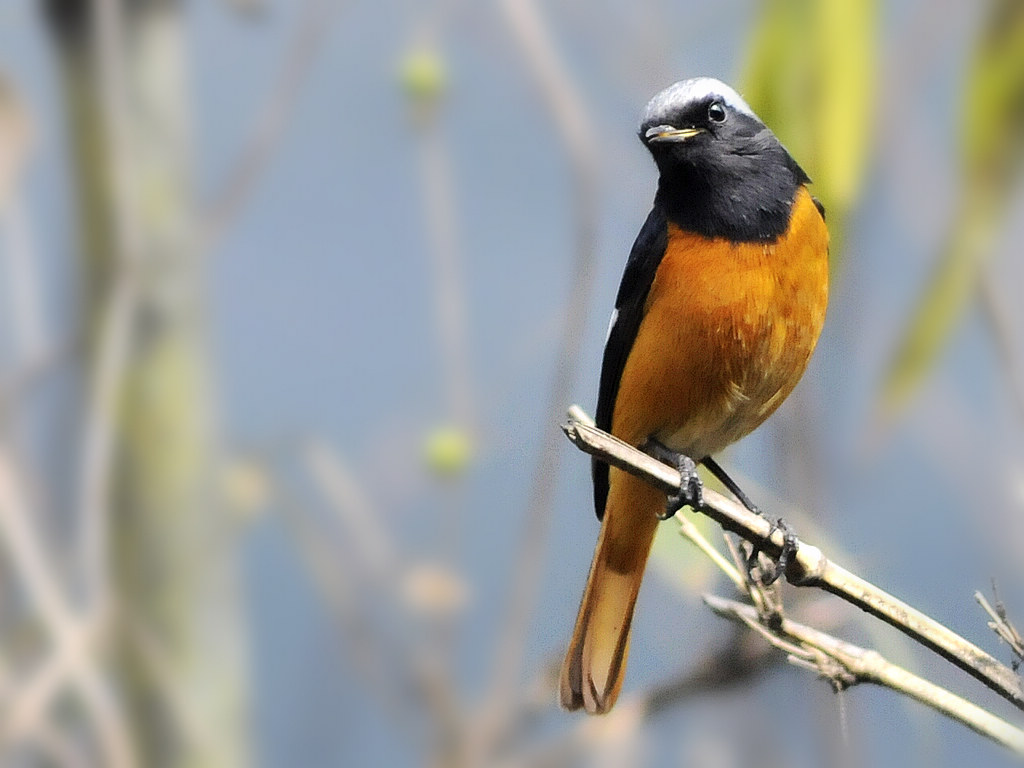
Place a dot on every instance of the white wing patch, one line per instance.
(694, 90)
(611, 324)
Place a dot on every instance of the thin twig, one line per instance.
(689, 531)
(860, 665)
(809, 567)
(373, 545)
(271, 123)
(1002, 625)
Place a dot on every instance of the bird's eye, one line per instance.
(716, 112)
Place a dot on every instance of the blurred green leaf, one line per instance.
(448, 451)
(993, 114)
(423, 77)
(992, 146)
(811, 76)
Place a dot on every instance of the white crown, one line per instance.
(695, 90)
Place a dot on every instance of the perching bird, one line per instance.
(720, 307)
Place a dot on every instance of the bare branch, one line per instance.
(1002, 625)
(74, 660)
(809, 567)
(98, 439)
(845, 664)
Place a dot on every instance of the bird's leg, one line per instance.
(789, 545)
(734, 488)
(691, 489)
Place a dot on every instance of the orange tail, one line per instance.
(595, 663)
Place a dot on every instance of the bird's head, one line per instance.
(723, 172)
(702, 121)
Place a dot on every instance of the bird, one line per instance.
(719, 309)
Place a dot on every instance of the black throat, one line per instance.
(740, 196)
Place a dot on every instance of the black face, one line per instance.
(710, 115)
(723, 173)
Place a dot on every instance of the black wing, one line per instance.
(643, 262)
(820, 206)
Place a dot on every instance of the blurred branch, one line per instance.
(844, 664)
(33, 697)
(97, 457)
(270, 124)
(108, 58)
(809, 567)
(372, 545)
(424, 82)
(73, 658)
(576, 132)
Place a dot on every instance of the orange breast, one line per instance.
(727, 333)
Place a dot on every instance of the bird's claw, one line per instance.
(779, 565)
(691, 488)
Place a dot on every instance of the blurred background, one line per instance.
(296, 294)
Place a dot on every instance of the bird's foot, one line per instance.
(691, 489)
(769, 576)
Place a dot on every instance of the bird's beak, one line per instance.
(666, 133)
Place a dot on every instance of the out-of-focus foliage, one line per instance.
(811, 76)
(423, 77)
(993, 113)
(448, 451)
(991, 148)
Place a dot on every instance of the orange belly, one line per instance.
(727, 333)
